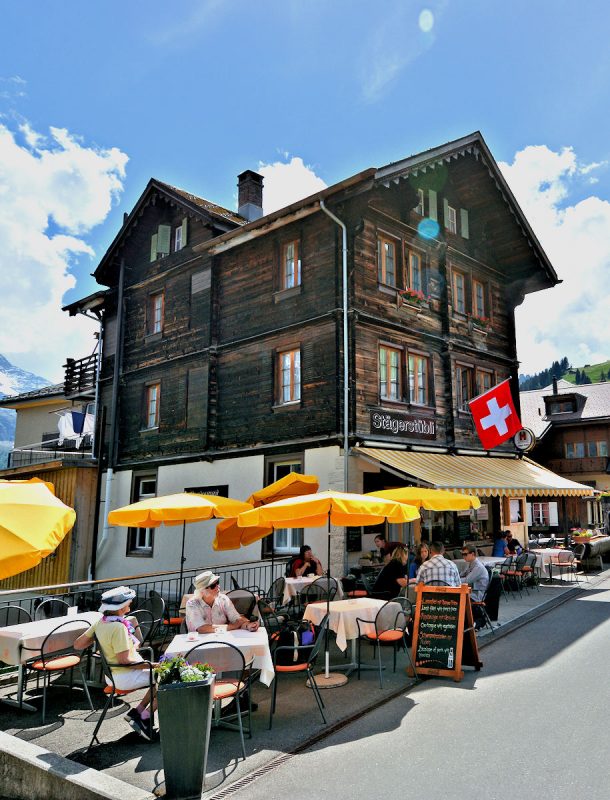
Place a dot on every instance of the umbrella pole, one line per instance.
(330, 680)
(182, 560)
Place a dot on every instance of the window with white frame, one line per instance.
(464, 385)
(478, 299)
(451, 219)
(289, 376)
(419, 208)
(286, 540)
(418, 379)
(390, 373)
(140, 540)
(178, 239)
(386, 261)
(484, 380)
(152, 402)
(459, 291)
(290, 269)
(597, 449)
(415, 271)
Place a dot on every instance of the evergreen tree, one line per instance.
(577, 378)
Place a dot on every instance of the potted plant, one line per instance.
(185, 695)
(412, 297)
(581, 535)
(480, 323)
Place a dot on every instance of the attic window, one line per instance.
(564, 406)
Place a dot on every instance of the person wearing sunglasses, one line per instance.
(210, 607)
(475, 574)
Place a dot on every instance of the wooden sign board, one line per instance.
(443, 635)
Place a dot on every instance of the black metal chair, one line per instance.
(479, 607)
(306, 660)
(228, 661)
(111, 691)
(391, 623)
(51, 608)
(13, 615)
(56, 656)
(579, 560)
(244, 601)
(145, 626)
(155, 605)
(329, 584)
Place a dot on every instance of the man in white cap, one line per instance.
(209, 607)
(117, 639)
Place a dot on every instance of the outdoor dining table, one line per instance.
(15, 638)
(253, 644)
(294, 586)
(342, 620)
(544, 557)
(488, 561)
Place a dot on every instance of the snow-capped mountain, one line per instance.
(13, 380)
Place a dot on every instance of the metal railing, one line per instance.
(87, 594)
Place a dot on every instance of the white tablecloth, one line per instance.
(488, 561)
(294, 586)
(253, 644)
(343, 614)
(32, 635)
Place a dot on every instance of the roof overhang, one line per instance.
(487, 476)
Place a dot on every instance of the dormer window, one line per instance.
(565, 405)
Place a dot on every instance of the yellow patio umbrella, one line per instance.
(33, 522)
(336, 508)
(176, 509)
(430, 499)
(229, 536)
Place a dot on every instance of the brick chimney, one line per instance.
(250, 195)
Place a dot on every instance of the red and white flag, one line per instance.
(494, 415)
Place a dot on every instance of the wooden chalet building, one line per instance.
(572, 429)
(226, 343)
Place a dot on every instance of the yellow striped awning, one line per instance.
(488, 476)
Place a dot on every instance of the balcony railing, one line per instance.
(80, 376)
(579, 465)
(50, 450)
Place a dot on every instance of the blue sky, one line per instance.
(95, 98)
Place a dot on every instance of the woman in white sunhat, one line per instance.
(119, 644)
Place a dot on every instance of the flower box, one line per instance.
(410, 297)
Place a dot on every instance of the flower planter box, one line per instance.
(185, 716)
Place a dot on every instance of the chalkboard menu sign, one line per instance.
(438, 630)
(463, 528)
(443, 632)
(354, 540)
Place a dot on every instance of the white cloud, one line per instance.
(572, 318)
(52, 193)
(287, 181)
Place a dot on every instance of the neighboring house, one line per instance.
(572, 429)
(226, 343)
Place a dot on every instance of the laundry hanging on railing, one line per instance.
(75, 425)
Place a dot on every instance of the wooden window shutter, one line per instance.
(464, 230)
(197, 397)
(184, 232)
(164, 233)
(432, 206)
(529, 514)
(153, 247)
(446, 212)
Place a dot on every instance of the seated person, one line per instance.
(386, 548)
(119, 644)
(393, 577)
(305, 563)
(475, 574)
(209, 607)
(422, 553)
(438, 568)
(513, 545)
(500, 545)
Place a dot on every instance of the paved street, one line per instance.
(533, 723)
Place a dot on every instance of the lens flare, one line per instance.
(426, 20)
(428, 228)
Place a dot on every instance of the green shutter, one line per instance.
(433, 213)
(464, 223)
(446, 212)
(184, 229)
(163, 239)
(153, 247)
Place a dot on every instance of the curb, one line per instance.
(29, 772)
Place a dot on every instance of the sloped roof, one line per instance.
(206, 205)
(35, 394)
(596, 405)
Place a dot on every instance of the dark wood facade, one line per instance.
(227, 318)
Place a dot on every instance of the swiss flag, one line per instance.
(494, 416)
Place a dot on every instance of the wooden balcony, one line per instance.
(579, 466)
(80, 377)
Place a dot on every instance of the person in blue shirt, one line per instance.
(422, 553)
(500, 545)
